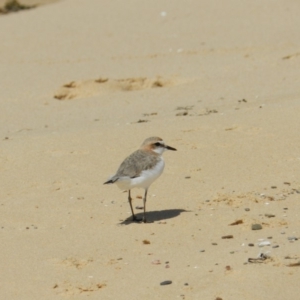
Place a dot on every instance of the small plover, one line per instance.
(140, 169)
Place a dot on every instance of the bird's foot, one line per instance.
(137, 220)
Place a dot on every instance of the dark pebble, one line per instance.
(227, 236)
(273, 187)
(215, 244)
(186, 283)
(202, 250)
(285, 208)
(247, 209)
(275, 246)
(251, 245)
(292, 238)
(166, 282)
(270, 215)
(256, 227)
(187, 177)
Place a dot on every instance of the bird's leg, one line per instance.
(145, 199)
(134, 218)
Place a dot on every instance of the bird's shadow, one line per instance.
(157, 215)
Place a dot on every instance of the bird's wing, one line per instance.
(135, 163)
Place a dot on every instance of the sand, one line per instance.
(84, 83)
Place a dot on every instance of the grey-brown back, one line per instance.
(135, 163)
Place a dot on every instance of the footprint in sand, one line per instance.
(89, 88)
(68, 288)
(76, 263)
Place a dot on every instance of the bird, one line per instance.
(141, 169)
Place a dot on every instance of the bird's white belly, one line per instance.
(145, 179)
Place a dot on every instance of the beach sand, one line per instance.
(84, 83)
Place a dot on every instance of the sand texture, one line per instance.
(83, 83)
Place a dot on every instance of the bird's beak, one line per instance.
(170, 148)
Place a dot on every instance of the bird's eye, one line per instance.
(157, 144)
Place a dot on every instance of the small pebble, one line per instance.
(215, 244)
(251, 245)
(247, 209)
(275, 246)
(292, 238)
(202, 250)
(256, 227)
(183, 113)
(166, 282)
(270, 215)
(186, 283)
(264, 243)
(273, 187)
(237, 222)
(139, 207)
(230, 236)
(187, 177)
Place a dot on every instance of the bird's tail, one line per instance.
(111, 180)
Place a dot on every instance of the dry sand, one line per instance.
(83, 83)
